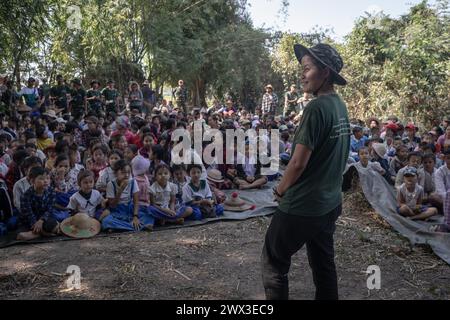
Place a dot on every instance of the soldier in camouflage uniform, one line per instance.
(181, 96)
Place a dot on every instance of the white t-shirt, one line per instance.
(411, 197)
(20, 187)
(190, 192)
(105, 176)
(126, 196)
(78, 203)
(161, 196)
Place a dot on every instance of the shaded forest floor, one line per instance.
(221, 261)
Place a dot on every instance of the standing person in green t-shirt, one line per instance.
(59, 93)
(94, 97)
(111, 98)
(309, 194)
(78, 102)
(290, 101)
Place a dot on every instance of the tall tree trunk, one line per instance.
(199, 93)
(16, 72)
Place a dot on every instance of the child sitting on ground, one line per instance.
(37, 206)
(107, 174)
(198, 196)
(410, 196)
(180, 178)
(21, 186)
(365, 164)
(63, 191)
(99, 163)
(123, 202)
(130, 152)
(248, 171)
(87, 199)
(442, 181)
(119, 142)
(414, 161)
(139, 166)
(156, 158)
(163, 198)
(147, 141)
(378, 155)
(400, 159)
(429, 162)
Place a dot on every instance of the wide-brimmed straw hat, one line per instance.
(235, 203)
(80, 226)
(50, 113)
(327, 56)
(24, 108)
(215, 175)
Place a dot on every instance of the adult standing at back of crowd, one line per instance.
(111, 98)
(44, 92)
(59, 94)
(303, 102)
(290, 101)
(31, 95)
(94, 97)
(309, 194)
(269, 102)
(149, 97)
(181, 96)
(135, 97)
(78, 102)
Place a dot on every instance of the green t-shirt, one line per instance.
(78, 98)
(60, 92)
(110, 95)
(94, 93)
(325, 130)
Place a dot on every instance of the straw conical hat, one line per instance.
(80, 226)
(235, 203)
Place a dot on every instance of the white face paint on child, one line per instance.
(162, 176)
(63, 167)
(87, 184)
(410, 181)
(123, 174)
(195, 174)
(113, 159)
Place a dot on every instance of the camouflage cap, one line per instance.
(327, 56)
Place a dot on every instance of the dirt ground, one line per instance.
(221, 261)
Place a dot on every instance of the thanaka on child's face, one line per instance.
(195, 174)
(179, 175)
(148, 142)
(402, 153)
(410, 181)
(124, 174)
(63, 167)
(162, 176)
(87, 184)
(41, 182)
(122, 143)
(415, 162)
(428, 164)
(99, 156)
(397, 143)
(91, 125)
(364, 156)
(129, 155)
(113, 159)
